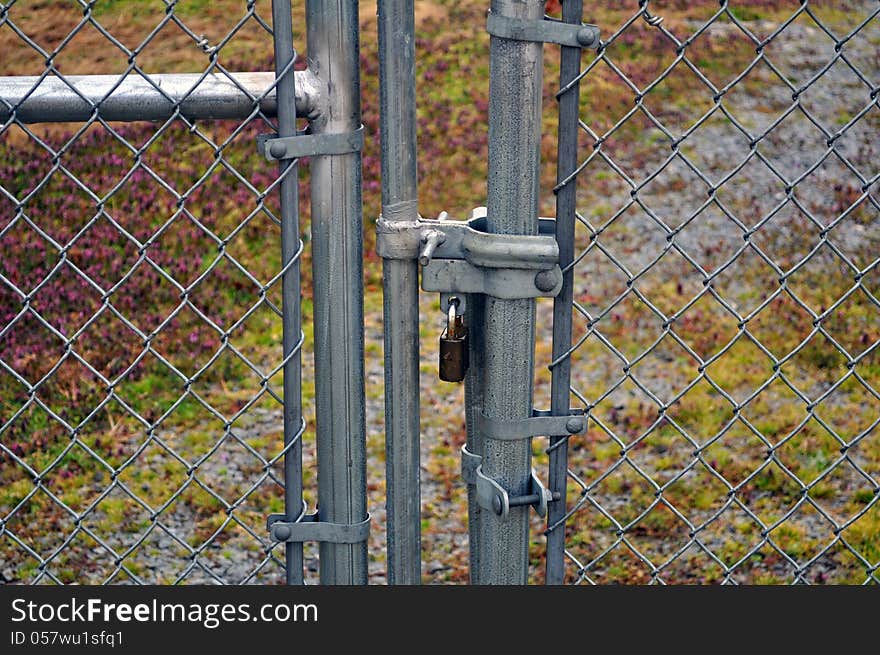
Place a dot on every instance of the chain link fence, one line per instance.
(141, 438)
(724, 289)
(725, 299)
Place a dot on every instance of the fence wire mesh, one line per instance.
(725, 316)
(726, 284)
(140, 309)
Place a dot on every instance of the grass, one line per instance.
(721, 469)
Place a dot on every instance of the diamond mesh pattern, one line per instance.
(140, 331)
(726, 321)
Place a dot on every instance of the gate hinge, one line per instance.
(573, 35)
(492, 497)
(469, 465)
(305, 144)
(309, 527)
(490, 494)
(461, 257)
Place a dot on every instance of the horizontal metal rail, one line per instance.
(75, 98)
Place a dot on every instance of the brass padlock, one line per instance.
(453, 346)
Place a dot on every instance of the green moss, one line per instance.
(745, 13)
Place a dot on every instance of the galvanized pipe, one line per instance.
(337, 241)
(76, 98)
(397, 115)
(473, 399)
(290, 285)
(566, 207)
(515, 78)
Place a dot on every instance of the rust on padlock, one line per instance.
(453, 356)
(453, 347)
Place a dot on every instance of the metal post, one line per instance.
(515, 78)
(290, 284)
(337, 240)
(566, 206)
(397, 114)
(473, 397)
(195, 96)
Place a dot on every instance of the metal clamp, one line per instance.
(573, 35)
(304, 144)
(469, 465)
(541, 424)
(492, 497)
(309, 527)
(461, 257)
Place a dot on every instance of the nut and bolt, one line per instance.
(586, 36)
(574, 425)
(546, 280)
(278, 150)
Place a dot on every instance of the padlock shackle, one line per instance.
(451, 315)
(453, 345)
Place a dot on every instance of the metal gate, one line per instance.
(712, 409)
(147, 243)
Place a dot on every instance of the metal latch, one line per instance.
(309, 527)
(462, 257)
(305, 144)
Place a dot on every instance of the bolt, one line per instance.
(278, 150)
(574, 425)
(546, 280)
(525, 501)
(282, 532)
(498, 505)
(586, 37)
(431, 239)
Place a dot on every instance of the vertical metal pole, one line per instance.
(473, 396)
(337, 239)
(290, 283)
(515, 78)
(397, 114)
(566, 206)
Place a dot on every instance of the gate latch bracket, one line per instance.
(305, 144)
(573, 35)
(309, 527)
(462, 257)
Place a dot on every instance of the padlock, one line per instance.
(453, 346)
